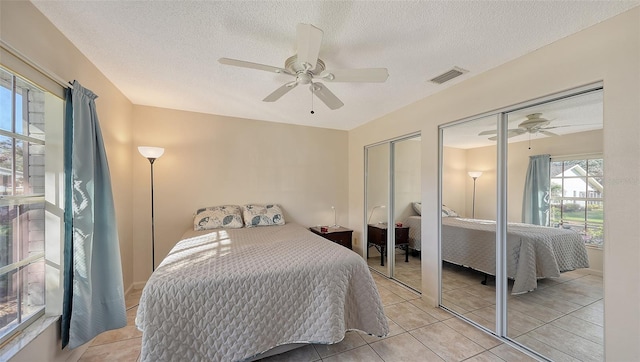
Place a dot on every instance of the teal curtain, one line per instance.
(93, 289)
(535, 205)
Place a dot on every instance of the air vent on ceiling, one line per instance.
(448, 75)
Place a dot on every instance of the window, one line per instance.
(576, 197)
(22, 199)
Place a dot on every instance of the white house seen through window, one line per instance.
(576, 197)
(22, 140)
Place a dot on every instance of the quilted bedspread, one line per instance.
(230, 294)
(532, 251)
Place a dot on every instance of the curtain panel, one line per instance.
(535, 205)
(93, 288)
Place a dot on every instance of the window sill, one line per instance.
(30, 333)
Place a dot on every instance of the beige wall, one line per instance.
(214, 160)
(24, 28)
(608, 52)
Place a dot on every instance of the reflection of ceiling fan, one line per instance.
(533, 124)
(307, 68)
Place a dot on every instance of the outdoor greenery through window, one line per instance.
(22, 152)
(576, 198)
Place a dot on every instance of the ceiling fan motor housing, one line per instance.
(304, 75)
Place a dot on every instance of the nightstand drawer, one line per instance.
(338, 235)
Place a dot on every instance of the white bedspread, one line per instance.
(231, 294)
(532, 251)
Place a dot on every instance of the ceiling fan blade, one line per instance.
(510, 133)
(484, 133)
(309, 40)
(250, 65)
(367, 75)
(547, 133)
(326, 96)
(280, 92)
(515, 131)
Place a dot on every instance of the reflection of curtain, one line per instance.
(535, 206)
(93, 290)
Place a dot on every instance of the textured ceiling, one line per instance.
(164, 53)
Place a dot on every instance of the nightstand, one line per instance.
(377, 237)
(339, 235)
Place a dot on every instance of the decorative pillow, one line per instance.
(417, 207)
(262, 215)
(449, 212)
(226, 216)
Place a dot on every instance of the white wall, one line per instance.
(608, 52)
(214, 160)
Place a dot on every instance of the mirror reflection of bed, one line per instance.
(555, 290)
(393, 178)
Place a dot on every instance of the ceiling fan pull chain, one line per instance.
(312, 90)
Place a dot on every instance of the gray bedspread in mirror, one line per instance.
(532, 251)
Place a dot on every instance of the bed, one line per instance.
(233, 294)
(533, 251)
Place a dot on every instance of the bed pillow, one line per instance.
(262, 215)
(214, 217)
(447, 212)
(417, 207)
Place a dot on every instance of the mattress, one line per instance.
(532, 251)
(231, 294)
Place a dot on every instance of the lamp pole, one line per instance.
(473, 205)
(153, 227)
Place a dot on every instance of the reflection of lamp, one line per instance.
(152, 153)
(335, 221)
(474, 175)
(374, 209)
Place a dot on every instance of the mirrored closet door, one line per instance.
(522, 224)
(468, 197)
(392, 209)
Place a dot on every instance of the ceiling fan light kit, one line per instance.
(307, 68)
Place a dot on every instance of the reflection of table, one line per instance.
(377, 237)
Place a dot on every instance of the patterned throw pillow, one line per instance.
(449, 212)
(262, 215)
(226, 216)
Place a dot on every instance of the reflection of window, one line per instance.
(576, 200)
(22, 115)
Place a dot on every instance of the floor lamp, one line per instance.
(152, 153)
(474, 175)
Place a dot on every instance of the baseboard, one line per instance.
(138, 285)
(595, 272)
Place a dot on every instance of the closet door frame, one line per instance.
(391, 235)
(501, 205)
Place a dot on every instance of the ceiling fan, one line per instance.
(533, 124)
(307, 68)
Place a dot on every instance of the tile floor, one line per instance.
(563, 319)
(418, 332)
(408, 273)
